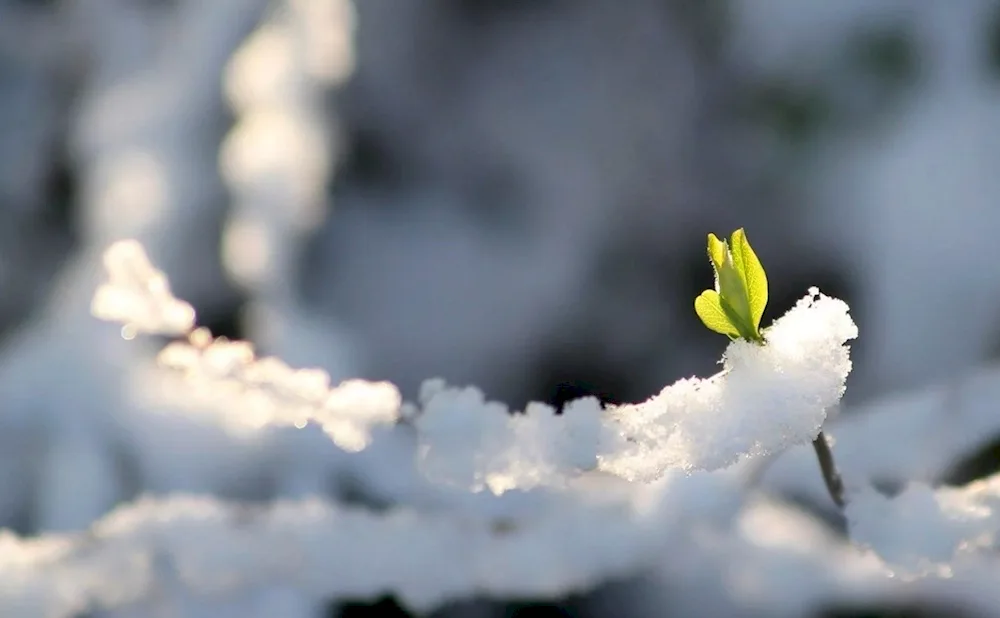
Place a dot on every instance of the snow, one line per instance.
(916, 436)
(576, 499)
(139, 295)
(573, 530)
(276, 163)
(564, 511)
(924, 527)
(476, 444)
(273, 490)
(765, 400)
(213, 548)
(249, 392)
(767, 397)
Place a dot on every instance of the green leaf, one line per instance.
(737, 304)
(733, 291)
(753, 276)
(739, 321)
(708, 306)
(717, 251)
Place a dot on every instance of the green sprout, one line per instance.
(735, 308)
(736, 305)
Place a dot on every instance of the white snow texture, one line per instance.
(566, 529)
(766, 398)
(485, 502)
(455, 497)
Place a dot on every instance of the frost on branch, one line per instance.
(243, 391)
(226, 378)
(766, 399)
(138, 295)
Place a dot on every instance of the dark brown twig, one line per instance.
(834, 484)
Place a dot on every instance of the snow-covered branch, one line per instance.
(554, 521)
(766, 399)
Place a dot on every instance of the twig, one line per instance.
(834, 484)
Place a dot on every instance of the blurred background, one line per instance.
(512, 194)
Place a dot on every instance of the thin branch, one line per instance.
(834, 484)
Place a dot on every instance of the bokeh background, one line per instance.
(508, 193)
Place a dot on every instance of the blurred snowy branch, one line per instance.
(552, 524)
(277, 162)
(563, 529)
(766, 399)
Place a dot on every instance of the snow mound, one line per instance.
(766, 399)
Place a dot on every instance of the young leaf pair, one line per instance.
(736, 305)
